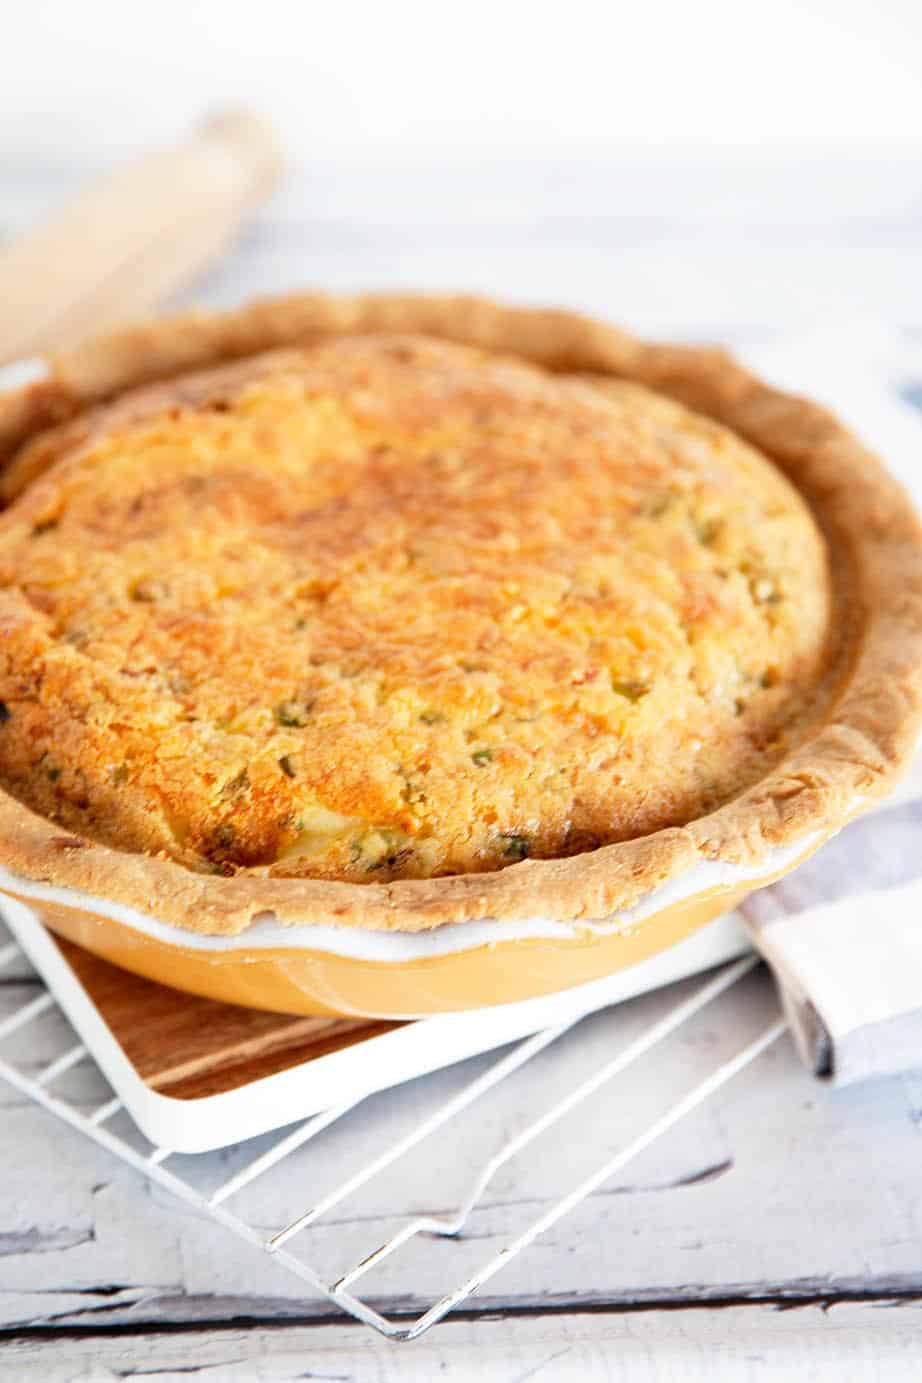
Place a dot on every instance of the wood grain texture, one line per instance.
(189, 1047)
(777, 1190)
(873, 1341)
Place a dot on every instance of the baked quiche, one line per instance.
(406, 597)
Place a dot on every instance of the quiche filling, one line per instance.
(388, 607)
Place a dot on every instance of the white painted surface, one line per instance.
(415, 77)
(780, 1191)
(874, 1342)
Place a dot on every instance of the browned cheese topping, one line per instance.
(392, 608)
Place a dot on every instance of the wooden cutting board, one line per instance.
(187, 1047)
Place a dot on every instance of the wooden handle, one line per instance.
(133, 237)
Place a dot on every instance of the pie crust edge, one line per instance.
(867, 737)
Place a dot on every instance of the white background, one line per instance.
(486, 77)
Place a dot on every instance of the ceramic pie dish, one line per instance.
(390, 656)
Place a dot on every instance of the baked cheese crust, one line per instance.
(389, 608)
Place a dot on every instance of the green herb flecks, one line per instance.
(380, 848)
(514, 847)
(482, 757)
(706, 530)
(149, 591)
(293, 713)
(236, 785)
(764, 591)
(657, 505)
(631, 689)
(287, 767)
(411, 792)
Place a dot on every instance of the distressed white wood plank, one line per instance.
(779, 1188)
(874, 1342)
(865, 200)
(674, 250)
(695, 249)
(17, 970)
(689, 290)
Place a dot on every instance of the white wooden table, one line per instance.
(778, 1233)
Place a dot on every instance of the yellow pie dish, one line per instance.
(392, 656)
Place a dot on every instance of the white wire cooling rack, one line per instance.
(282, 1243)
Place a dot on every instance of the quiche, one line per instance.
(394, 612)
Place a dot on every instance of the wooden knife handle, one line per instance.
(134, 236)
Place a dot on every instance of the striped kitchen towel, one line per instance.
(843, 933)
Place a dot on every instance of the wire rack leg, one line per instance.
(150, 1164)
(498, 1071)
(655, 1034)
(691, 1101)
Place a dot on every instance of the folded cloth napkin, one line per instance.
(843, 933)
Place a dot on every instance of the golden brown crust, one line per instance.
(390, 607)
(865, 737)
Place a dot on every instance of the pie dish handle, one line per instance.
(134, 236)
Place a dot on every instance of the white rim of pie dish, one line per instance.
(396, 948)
